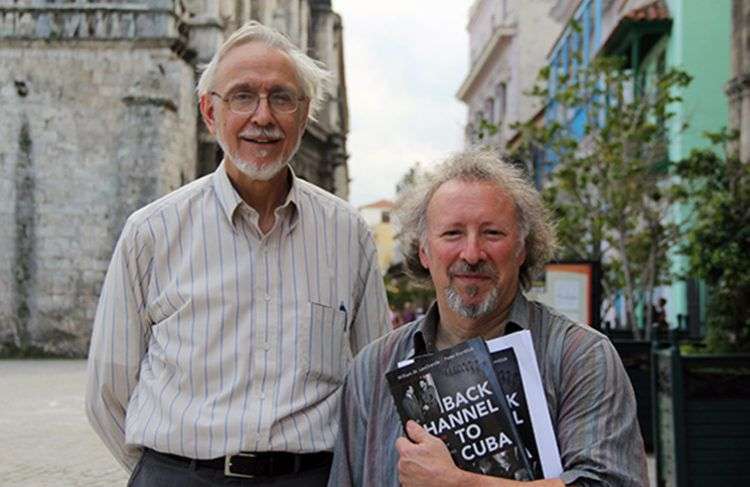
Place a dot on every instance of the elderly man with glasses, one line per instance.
(233, 306)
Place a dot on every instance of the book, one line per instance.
(517, 370)
(455, 395)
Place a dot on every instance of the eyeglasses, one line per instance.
(246, 102)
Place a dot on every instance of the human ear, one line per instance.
(424, 256)
(208, 113)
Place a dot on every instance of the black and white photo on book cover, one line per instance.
(454, 394)
(516, 368)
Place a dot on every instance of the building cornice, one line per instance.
(105, 21)
(501, 33)
(473, 11)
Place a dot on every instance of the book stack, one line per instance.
(486, 401)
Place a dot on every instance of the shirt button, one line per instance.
(268, 297)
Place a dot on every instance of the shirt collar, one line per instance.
(426, 333)
(230, 199)
(292, 200)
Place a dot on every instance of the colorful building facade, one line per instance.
(652, 36)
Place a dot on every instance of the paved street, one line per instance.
(46, 440)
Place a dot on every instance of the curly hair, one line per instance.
(535, 228)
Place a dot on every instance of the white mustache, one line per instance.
(263, 132)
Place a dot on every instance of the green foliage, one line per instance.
(486, 129)
(409, 179)
(401, 289)
(610, 191)
(717, 188)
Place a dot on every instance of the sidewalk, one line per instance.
(46, 438)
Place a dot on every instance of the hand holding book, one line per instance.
(489, 411)
(423, 458)
(455, 396)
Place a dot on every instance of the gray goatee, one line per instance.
(456, 303)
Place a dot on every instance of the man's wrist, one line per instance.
(461, 478)
(464, 478)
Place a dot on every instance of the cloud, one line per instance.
(405, 60)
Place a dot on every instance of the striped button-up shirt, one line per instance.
(589, 396)
(212, 338)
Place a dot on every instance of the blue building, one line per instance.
(651, 36)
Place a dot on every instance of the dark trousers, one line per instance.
(154, 470)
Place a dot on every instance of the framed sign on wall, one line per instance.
(573, 288)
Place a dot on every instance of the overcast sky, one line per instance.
(405, 60)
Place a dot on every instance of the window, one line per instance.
(478, 134)
(500, 97)
(489, 109)
(469, 134)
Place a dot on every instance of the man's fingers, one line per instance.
(402, 444)
(416, 433)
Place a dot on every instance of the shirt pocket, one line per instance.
(165, 311)
(326, 348)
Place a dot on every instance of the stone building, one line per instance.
(99, 117)
(738, 88)
(508, 45)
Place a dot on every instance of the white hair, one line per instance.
(311, 73)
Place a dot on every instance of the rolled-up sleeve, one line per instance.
(597, 426)
(119, 340)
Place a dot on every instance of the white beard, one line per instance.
(252, 170)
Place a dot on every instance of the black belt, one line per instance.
(256, 464)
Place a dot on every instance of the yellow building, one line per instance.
(378, 217)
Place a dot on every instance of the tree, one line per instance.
(409, 179)
(716, 186)
(399, 287)
(606, 138)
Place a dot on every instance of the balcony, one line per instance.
(500, 37)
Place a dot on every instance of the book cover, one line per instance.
(516, 368)
(455, 395)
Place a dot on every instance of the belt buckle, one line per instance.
(228, 465)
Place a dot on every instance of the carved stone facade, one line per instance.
(738, 88)
(99, 118)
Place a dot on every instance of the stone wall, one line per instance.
(88, 134)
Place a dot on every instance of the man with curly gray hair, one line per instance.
(233, 306)
(477, 231)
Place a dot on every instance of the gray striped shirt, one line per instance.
(589, 395)
(211, 338)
